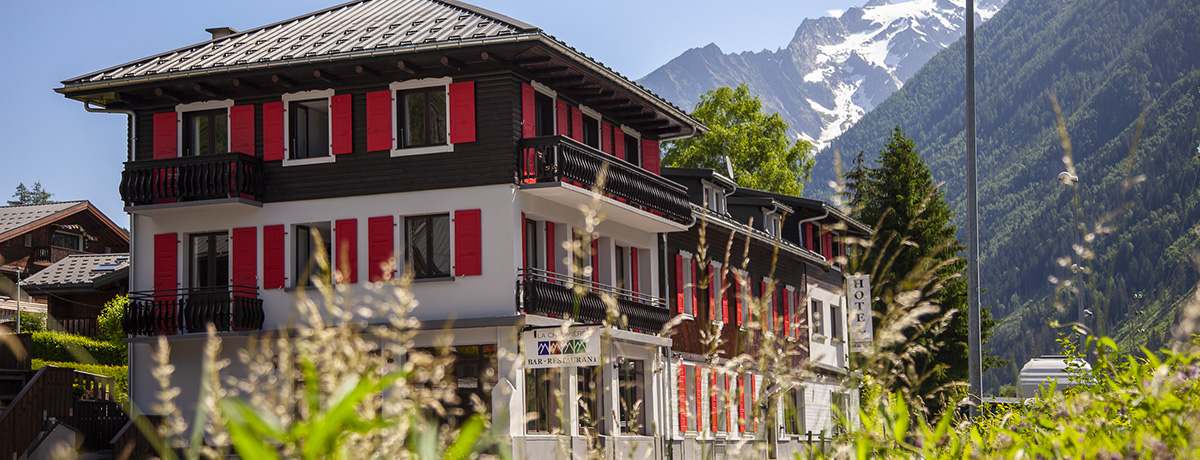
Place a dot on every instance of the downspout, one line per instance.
(132, 143)
(814, 219)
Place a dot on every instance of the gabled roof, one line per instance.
(356, 27)
(80, 271)
(808, 203)
(18, 220)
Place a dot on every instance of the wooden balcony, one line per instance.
(206, 179)
(187, 311)
(551, 162)
(553, 295)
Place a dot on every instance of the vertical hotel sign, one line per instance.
(861, 322)
(558, 347)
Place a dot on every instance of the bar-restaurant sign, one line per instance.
(558, 347)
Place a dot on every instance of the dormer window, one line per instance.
(67, 240)
(772, 223)
(714, 198)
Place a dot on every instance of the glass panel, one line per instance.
(415, 126)
(200, 265)
(588, 390)
(542, 394)
(632, 396)
(418, 248)
(633, 153)
(220, 137)
(440, 245)
(437, 116)
(531, 246)
(310, 128)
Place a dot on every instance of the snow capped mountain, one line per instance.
(835, 69)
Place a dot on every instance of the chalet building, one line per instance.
(34, 237)
(77, 287)
(455, 140)
(758, 271)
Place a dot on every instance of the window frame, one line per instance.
(303, 278)
(541, 393)
(213, 257)
(689, 284)
(78, 247)
(399, 87)
(817, 315)
(181, 111)
(717, 283)
(794, 400)
(714, 197)
(632, 139)
(637, 370)
(429, 234)
(303, 96)
(594, 132)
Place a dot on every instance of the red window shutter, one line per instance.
(713, 408)
(787, 315)
(692, 288)
(683, 425)
(764, 296)
(562, 118)
(550, 265)
(340, 123)
(524, 243)
(619, 143)
(241, 129)
(827, 245)
(274, 147)
(381, 247)
(753, 397)
(699, 400)
(650, 158)
(605, 137)
(166, 262)
(576, 124)
(379, 121)
(678, 283)
(528, 112)
(633, 269)
(166, 135)
(712, 293)
(595, 259)
(737, 297)
(462, 112)
(245, 257)
(468, 243)
(741, 402)
(346, 248)
(725, 296)
(729, 414)
(273, 265)
(776, 305)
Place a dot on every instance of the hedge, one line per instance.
(119, 374)
(67, 348)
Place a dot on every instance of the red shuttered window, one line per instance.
(166, 262)
(699, 399)
(273, 265)
(650, 158)
(714, 409)
(679, 288)
(551, 264)
(712, 294)
(245, 258)
(742, 402)
(576, 124)
(562, 118)
(737, 297)
(241, 129)
(379, 121)
(345, 247)
(528, 112)
(692, 285)
(166, 135)
(682, 382)
(462, 112)
(619, 143)
(274, 146)
(468, 243)
(606, 137)
(381, 247)
(729, 414)
(341, 124)
(633, 270)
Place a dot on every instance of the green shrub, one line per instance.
(63, 347)
(119, 374)
(33, 322)
(110, 319)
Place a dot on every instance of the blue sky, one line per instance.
(78, 155)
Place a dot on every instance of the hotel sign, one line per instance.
(861, 323)
(556, 347)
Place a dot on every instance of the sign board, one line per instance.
(556, 347)
(858, 295)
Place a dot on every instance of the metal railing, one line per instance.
(204, 177)
(556, 295)
(190, 310)
(562, 159)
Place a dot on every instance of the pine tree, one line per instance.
(26, 196)
(914, 249)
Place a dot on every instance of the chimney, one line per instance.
(221, 32)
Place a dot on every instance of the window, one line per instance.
(205, 132)
(533, 256)
(692, 397)
(544, 114)
(714, 198)
(818, 318)
(633, 149)
(622, 273)
(716, 288)
(793, 411)
(591, 131)
(841, 401)
(311, 240)
(427, 245)
(689, 285)
(721, 383)
(543, 393)
(28, 240)
(632, 392)
(588, 391)
(422, 116)
(835, 321)
(309, 127)
(63, 240)
(772, 223)
(208, 261)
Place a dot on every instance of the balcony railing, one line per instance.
(179, 311)
(553, 294)
(562, 159)
(204, 177)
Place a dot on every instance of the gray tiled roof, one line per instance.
(360, 26)
(13, 217)
(78, 270)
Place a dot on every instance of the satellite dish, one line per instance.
(729, 166)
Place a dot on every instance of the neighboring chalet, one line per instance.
(33, 237)
(77, 287)
(456, 140)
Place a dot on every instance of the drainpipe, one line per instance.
(132, 144)
(814, 219)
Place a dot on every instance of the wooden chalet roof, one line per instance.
(18, 220)
(80, 271)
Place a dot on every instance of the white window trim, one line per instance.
(402, 244)
(689, 285)
(181, 109)
(718, 196)
(415, 84)
(287, 99)
(544, 90)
